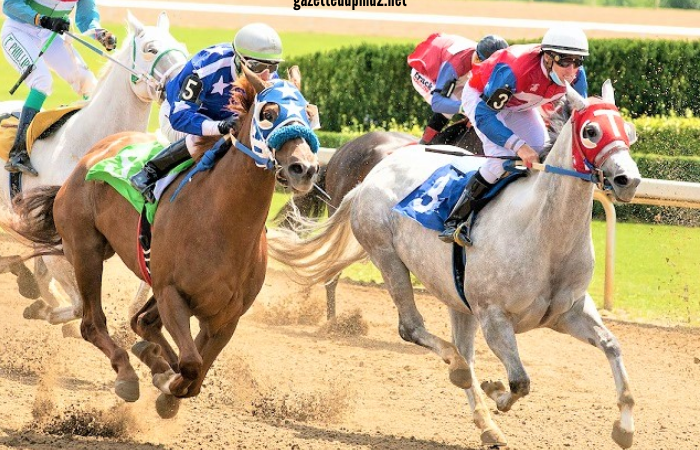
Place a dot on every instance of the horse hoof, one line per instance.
(38, 310)
(622, 437)
(167, 406)
(127, 390)
(71, 330)
(461, 378)
(28, 287)
(460, 375)
(493, 439)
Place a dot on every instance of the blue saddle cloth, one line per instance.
(430, 205)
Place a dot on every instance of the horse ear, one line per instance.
(135, 26)
(575, 99)
(608, 92)
(163, 21)
(257, 82)
(294, 75)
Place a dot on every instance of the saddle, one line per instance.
(45, 124)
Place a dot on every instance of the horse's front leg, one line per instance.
(210, 341)
(464, 328)
(583, 322)
(500, 337)
(175, 313)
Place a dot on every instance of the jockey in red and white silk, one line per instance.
(502, 101)
(438, 61)
(517, 82)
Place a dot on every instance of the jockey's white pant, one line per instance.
(21, 44)
(527, 125)
(425, 86)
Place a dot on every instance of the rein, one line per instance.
(269, 163)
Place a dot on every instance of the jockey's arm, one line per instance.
(183, 94)
(497, 93)
(444, 85)
(19, 10)
(86, 16)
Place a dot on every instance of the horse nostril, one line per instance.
(621, 180)
(296, 169)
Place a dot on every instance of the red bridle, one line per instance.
(590, 152)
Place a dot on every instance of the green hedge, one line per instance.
(369, 85)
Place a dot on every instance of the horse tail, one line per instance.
(328, 248)
(35, 222)
(312, 205)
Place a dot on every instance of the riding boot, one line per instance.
(18, 159)
(159, 166)
(454, 225)
(435, 125)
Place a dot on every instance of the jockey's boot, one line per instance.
(18, 159)
(454, 225)
(159, 166)
(435, 125)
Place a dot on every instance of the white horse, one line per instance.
(530, 265)
(121, 102)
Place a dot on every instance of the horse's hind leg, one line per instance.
(464, 328)
(331, 287)
(58, 268)
(583, 322)
(87, 259)
(411, 324)
(500, 336)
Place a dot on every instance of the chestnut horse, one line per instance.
(208, 248)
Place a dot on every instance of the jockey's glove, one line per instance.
(55, 24)
(106, 38)
(226, 125)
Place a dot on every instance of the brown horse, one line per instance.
(349, 165)
(208, 250)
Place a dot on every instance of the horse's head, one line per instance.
(279, 125)
(156, 54)
(601, 140)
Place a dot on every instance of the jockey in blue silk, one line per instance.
(440, 67)
(197, 100)
(28, 27)
(502, 99)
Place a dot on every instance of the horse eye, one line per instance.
(269, 116)
(590, 135)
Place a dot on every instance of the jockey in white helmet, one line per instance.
(197, 98)
(502, 99)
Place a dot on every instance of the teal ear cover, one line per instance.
(296, 130)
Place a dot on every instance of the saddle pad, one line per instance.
(117, 170)
(8, 131)
(45, 119)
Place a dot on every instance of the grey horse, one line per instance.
(530, 265)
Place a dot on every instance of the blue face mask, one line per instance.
(293, 120)
(553, 75)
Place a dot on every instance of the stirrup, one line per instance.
(20, 163)
(462, 236)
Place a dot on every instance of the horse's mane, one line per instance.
(557, 120)
(242, 96)
(108, 67)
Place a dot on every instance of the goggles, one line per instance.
(257, 66)
(566, 61)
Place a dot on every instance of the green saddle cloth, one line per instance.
(117, 170)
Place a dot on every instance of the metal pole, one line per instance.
(610, 221)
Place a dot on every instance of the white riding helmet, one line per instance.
(566, 41)
(258, 41)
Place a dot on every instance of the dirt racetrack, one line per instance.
(295, 386)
